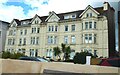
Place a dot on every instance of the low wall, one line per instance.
(20, 66)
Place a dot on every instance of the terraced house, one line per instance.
(92, 30)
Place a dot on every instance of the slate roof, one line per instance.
(17, 21)
(61, 15)
(4, 22)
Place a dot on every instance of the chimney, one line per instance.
(106, 6)
(50, 12)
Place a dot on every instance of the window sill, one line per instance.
(89, 29)
(89, 43)
(72, 43)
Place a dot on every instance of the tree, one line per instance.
(56, 51)
(63, 50)
(66, 51)
(63, 47)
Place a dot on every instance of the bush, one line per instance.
(80, 58)
(7, 54)
(76, 58)
(16, 55)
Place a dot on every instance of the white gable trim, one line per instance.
(52, 13)
(35, 18)
(11, 24)
(89, 7)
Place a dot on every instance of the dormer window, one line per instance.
(24, 22)
(70, 16)
(66, 17)
(74, 16)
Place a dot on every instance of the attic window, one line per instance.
(66, 17)
(14, 25)
(74, 16)
(24, 22)
(36, 22)
(89, 15)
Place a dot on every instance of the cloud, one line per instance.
(36, 3)
(7, 13)
(59, 6)
(40, 7)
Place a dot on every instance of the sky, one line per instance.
(24, 9)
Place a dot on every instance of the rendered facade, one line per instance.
(3, 31)
(92, 30)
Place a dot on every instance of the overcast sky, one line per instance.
(23, 9)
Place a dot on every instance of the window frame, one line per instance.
(66, 28)
(66, 39)
(73, 28)
(73, 39)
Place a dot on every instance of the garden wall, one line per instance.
(20, 66)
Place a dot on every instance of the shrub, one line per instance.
(16, 55)
(76, 58)
(7, 54)
(80, 58)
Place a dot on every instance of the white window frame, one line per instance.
(37, 40)
(66, 39)
(73, 39)
(90, 25)
(66, 17)
(86, 25)
(56, 28)
(66, 28)
(73, 28)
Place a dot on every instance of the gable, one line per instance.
(89, 12)
(52, 17)
(13, 24)
(36, 20)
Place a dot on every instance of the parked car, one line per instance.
(34, 59)
(115, 62)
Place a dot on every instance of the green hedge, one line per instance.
(6, 54)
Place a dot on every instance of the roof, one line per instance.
(61, 15)
(4, 22)
(110, 62)
(17, 21)
(78, 12)
(27, 19)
